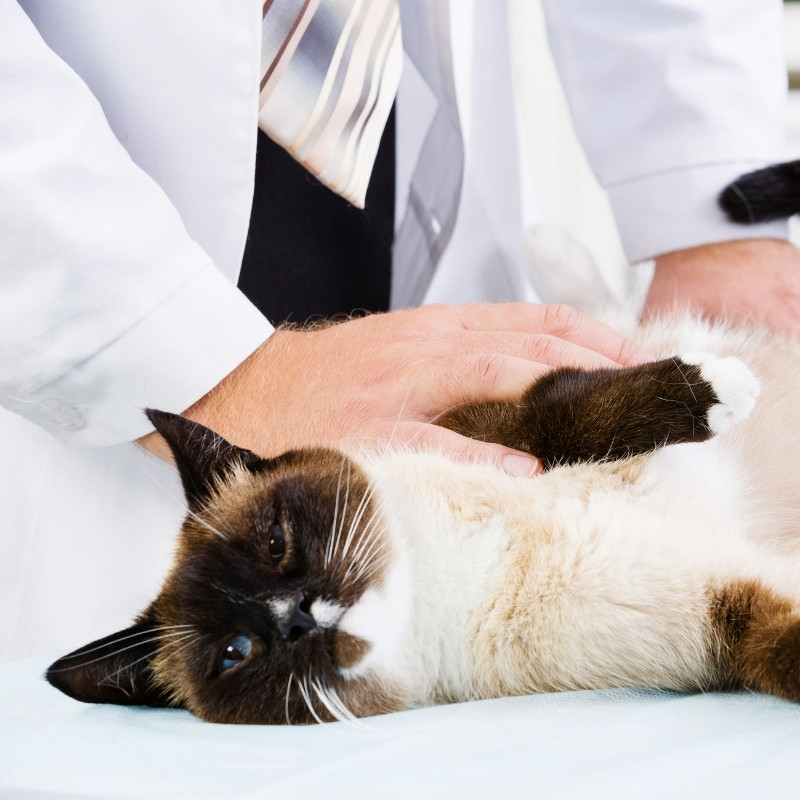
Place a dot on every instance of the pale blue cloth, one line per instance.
(612, 744)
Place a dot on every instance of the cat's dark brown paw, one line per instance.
(571, 415)
(734, 385)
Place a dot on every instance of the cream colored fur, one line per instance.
(593, 575)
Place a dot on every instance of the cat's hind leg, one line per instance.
(756, 639)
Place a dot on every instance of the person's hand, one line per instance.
(387, 377)
(752, 279)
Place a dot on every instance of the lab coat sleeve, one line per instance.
(672, 99)
(107, 305)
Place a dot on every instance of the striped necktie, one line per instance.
(330, 71)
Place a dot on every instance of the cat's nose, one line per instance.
(296, 619)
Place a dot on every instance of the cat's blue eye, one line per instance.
(234, 652)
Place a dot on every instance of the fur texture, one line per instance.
(327, 585)
(659, 549)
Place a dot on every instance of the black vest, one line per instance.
(309, 253)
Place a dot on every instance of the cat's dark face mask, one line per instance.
(271, 556)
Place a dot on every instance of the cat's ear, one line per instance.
(115, 669)
(201, 454)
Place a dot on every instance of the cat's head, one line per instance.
(282, 604)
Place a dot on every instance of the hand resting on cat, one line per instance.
(659, 548)
(322, 585)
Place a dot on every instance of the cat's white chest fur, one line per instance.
(451, 548)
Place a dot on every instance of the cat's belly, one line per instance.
(612, 580)
(588, 576)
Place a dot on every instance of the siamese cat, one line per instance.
(659, 548)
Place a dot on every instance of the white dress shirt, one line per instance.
(127, 144)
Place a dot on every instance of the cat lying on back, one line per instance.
(659, 548)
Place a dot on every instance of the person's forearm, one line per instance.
(755, 280)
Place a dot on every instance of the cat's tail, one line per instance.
(764, 195)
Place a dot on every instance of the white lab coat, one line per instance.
(125, 188)
(127, 147)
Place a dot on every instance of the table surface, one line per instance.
(582, 744)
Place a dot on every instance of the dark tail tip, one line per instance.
(764, 195)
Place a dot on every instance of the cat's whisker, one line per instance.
(358, 568)
(368, 535)
(219, 523)
(332, 538)
(171, 631)
(330, 699)
(371, 566)
(200, 521)
(366, 528)
(346, 501)
(303, 687)
(240, 599)
(361, 508)
(344, 568)
(369, 492)
(348, 715)
(370, 544)
(323, 698)
(169, 645)
(360, 511)
(357, 565)
(286, 701)
(162, 645)
(339, 528)
(111, 678)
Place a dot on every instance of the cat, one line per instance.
(659, 548)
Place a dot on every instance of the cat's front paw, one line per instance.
(734, 385)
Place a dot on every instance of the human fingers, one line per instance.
(427, 437)
(557, 320)
(542, 348)
(439, 385)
